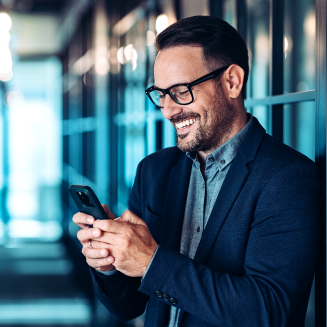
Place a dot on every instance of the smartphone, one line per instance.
(87, 202)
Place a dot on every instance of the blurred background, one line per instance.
(73, 111)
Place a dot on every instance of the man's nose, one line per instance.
(170, 108)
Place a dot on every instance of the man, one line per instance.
(221, 230)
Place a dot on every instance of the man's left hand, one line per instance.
(129, 241)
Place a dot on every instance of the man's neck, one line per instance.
(239, 124)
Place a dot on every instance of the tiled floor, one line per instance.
(37, 288)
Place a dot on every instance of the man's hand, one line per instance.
(129, 241)
(97, 255)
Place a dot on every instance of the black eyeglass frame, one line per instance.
(189, 86)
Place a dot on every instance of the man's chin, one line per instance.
(182, 136)
(186, 145)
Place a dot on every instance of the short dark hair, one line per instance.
(220, 42)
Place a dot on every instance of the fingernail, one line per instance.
(90, 219)
(103, 252)
(109, 259)
(96, 232)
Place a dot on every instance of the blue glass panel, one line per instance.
(259, 49)
(229, 12)
(299, 127)
(299, 46)
(263, 114)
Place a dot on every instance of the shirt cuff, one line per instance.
(107, 273)
(150, 262)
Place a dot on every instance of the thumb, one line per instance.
(130, 217)
(108, 212)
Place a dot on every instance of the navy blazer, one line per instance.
(255, 262)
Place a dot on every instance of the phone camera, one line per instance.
(85, 199)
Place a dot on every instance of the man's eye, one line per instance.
(182, 93)
(160, 94)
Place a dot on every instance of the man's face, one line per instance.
(206, 123)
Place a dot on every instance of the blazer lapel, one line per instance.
(175, 201)
(232, 186)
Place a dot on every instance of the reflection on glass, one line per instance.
(229, 11)
(134, 131)
(299, 127)
(263, 114)
(101, 60)
(161, 23)
(150, 38)
(121, 56)
(299, 46)
(259, 58)
(35, 151)
(130, 120)
(5, 21)
(258, 45)
(169, 134)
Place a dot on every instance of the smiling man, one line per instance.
(222, 230)
(208, 120)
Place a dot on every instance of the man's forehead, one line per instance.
(178, 65)
(180, 53)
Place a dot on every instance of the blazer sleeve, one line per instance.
(118, 292)
(280, 259)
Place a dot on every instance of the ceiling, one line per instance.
(33, 6)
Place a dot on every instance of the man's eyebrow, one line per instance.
(180, 83)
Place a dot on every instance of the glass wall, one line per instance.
(33, 124)
(109, 125)
(281, 39)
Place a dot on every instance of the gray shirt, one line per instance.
(202, 194)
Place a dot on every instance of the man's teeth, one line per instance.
(185, 123)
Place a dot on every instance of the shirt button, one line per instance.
(198, 229)
(222, 161)
(211, 159)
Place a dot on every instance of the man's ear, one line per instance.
(234, 78)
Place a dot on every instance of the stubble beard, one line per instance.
(214, 126)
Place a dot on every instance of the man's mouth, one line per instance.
(185, 123)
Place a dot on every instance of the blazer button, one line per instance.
(173, 301)
(166, 297)
(158, 294)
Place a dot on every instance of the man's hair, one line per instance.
(221, 44)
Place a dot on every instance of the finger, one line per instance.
(110, 240)
(109, 225)
(84, 235)
(95, 244)
(108, 212)
(116, 226)
(92, 253)
(83, 220)
(131, 217)
(101, 264)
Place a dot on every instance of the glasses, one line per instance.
(180, 93)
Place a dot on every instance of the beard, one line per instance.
(214, 125)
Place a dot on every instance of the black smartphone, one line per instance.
(87, 202)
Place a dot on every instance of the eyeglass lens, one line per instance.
(179, 93)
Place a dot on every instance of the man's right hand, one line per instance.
(99, 256)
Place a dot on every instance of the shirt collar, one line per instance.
(224, 155)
